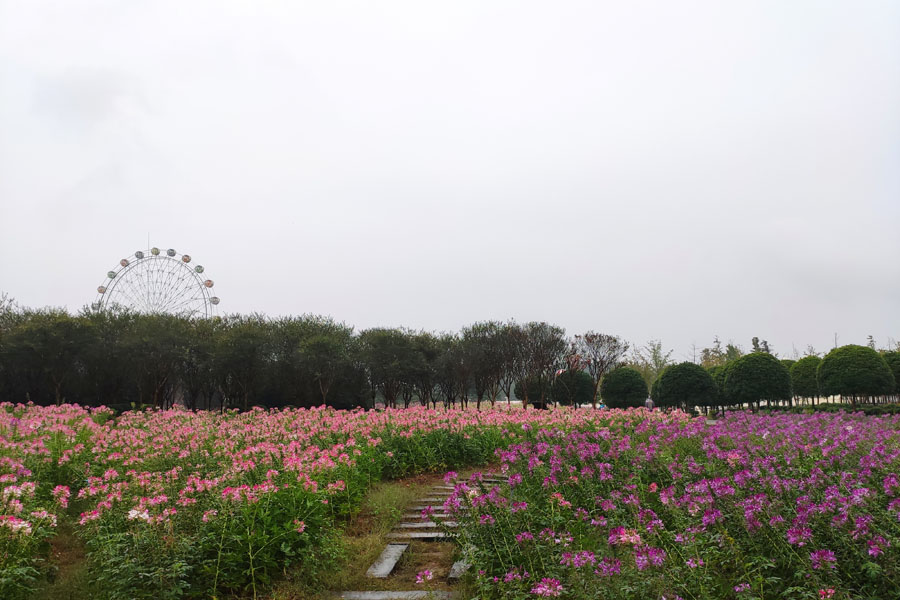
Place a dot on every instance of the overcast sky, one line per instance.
(673, 169)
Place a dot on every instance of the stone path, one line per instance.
(414, 528)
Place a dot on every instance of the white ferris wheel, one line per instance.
(158, 281)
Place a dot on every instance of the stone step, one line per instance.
(445, 487)
(440, 499)
(417, 595)
(382, 567)
(418, 515)
(435, 506)
(424, 536)
(457, 570)
(425, 524)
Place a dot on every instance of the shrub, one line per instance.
(623, 387)
(573, 387)
(854, 371)
(803, 377)
(685, 385)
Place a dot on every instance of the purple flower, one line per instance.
(608, 567)
(692, 563)
(711, 515)
(645, 556)
(822, 558)
(799, 535)
(525, 536)
(578, 559)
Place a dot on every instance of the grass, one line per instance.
(363, 539)
(69, 579)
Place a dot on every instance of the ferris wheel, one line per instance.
(158, 281)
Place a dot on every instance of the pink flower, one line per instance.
(423, 576)
(548, 587)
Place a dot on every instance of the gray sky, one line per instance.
(670, 169)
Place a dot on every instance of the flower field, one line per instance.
(610, 504)
(176, 504)
(801, 506)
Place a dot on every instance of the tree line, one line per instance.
(854, 373)
(122, 359)
(125, 358)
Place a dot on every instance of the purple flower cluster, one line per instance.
(642, 498)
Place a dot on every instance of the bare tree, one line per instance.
(545, 348)
(597, 354)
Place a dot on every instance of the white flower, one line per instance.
(143, 515)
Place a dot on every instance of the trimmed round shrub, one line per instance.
(572, 387)
(803, 377)
(893, 361)
(757, 376)
(788, 362)
(718, 374)
(853, 370)
(685, 385)
(623, 387)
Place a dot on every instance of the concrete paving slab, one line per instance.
(417, 595)
(425, 536)
(426, 525)
(382, 567)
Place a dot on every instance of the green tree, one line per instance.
(544, 347)
(892, 359)
(685, 386)
(242, 351)
(803, 377)
(451, 373)
(572, 388)
(326, 353)
(424, 372)
(732, 352)
(855, 371)
(483, 350)
(718, 373)
(623, 387)
(389, 356)
(533, 387)
(48, 344)
(650, 360)
(755, 377)
(511, 343)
